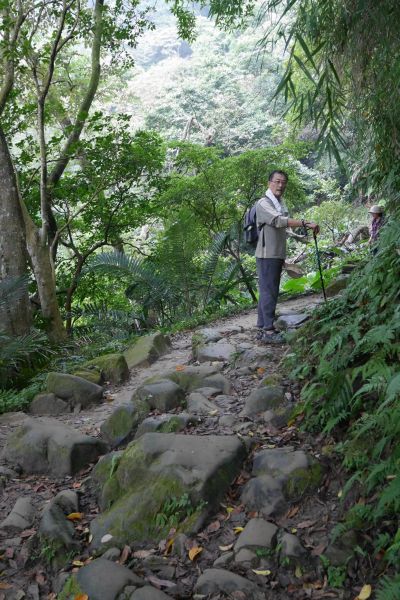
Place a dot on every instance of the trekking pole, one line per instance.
(319, 264)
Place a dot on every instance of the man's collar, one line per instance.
(272, 196)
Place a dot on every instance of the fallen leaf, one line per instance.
(169, 545)
(298, 572)
(124, 554)
(229, 509)
(320, 549)
(76, 485)
(81, 597)
(260, 370)
(27, 533)
(5, 586)
(292, 512)
(238, 529)
(159, 583)
(75, 516)
(340, 493)
(365, 593)
(195, 551)
(305, 524)
(180, 368)
(214, 526)
(225, 548)
(265, 573)
(143, 553)
(106, 538)
(212, 413)
(78, 563)
(294, 530)
(316, 585)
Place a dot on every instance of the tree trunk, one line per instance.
(42, 266)
(15, 317)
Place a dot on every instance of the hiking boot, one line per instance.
(259, 335)
(272, 337)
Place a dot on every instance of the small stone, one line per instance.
(197, 404)
(21, 516)
(149, 593)
(264, 494)
(112, 554)
(262, 399)
(103, 579)
(227, 420)
(179, 547)
(225, 559)
(213, 581)
(277, 418)
(291, 546)
(221, 351)
(258, 533)
(163, 395)
(290, 321)
(246, 557)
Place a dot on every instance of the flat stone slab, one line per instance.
(220, 351)
(213, 581)
(167, 423)
(158, 467)
(146, 350)
(104, 579)
(74, 390)
(254, 358)
(258, 533)
(291, 321)
(207, 335)
(190, 378)
(47, 446)
(262, 399)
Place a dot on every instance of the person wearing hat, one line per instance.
(376, 213)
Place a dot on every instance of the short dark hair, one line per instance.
(278, 172)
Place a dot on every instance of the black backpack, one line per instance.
(251, 231)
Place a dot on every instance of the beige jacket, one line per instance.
(272, 237)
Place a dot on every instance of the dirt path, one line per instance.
(311, 519)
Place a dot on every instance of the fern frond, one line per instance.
(389, 588)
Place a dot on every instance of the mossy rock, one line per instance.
(113, 367)
(158, 467)
(271, 379)
(337, 285)
(120, 427)
(146, 349)
(92, 375)
(70, 590)
(189, 378)
(105, 485)
(303, 481)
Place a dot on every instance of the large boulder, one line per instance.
(254, 358)
(113, 367)
(47, 446)
(166, 423)
(146, 350)
(74, 390)
(121, 425)
(176, 476)
(48, 404)
(337, 285)
(163, 395)
(92, 375)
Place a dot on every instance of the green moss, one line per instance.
(173, 424)
(70, 590)
(93, 376)
(302, 481)
(114, 366)
(272, 379)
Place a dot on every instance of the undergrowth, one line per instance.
(348, 357)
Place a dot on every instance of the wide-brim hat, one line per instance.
(376, 210)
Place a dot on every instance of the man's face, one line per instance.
(277, 185)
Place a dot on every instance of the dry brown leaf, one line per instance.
(292, 512)
(318, 550)
(124, 554)
(214, 526)
(238, 529)
(260, 371)
(75, 516)
(5, 586)
(78, 563)
(81, 597)
(143, 553)
(225, 548)
(180, 368)
(27, 533)
(159, 583)
(195, 551)
(305, 524)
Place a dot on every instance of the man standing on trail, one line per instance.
(272, 221)
(376, 213)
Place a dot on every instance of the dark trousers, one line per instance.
(269, 276)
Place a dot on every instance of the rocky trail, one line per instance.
(190, 479)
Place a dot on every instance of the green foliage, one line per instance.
(352, 390)
(389, 588)
(175, 510)
(14, 400)
(336, 575)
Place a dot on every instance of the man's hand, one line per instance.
(314, 227)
